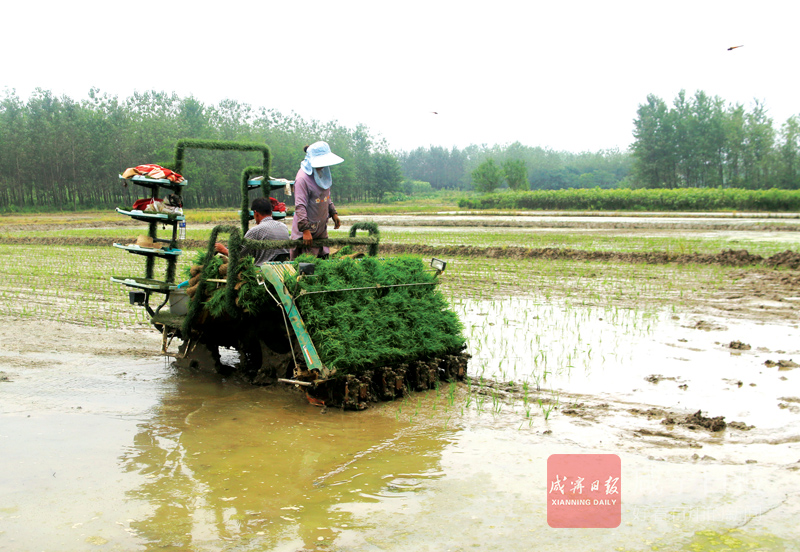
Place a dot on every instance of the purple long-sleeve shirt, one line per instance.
(312, 209)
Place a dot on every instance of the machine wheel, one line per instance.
(198, 356)
(250, 358)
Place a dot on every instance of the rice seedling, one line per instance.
(68, 284)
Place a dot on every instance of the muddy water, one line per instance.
(133, 455)
(107, 452)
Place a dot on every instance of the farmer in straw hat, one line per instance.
(312, 199)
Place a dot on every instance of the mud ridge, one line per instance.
(604, 225)
(730, 257)
(694, 420)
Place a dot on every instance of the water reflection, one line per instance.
(262, 468)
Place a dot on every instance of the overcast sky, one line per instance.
(566, 75)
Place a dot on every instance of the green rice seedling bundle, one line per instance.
(358, 321)
(359, 313)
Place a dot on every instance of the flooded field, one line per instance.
(106, 446)
(124, 452)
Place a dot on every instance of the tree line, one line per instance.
(533, 168)
(701, 142)
(698, 142)
(56, 152)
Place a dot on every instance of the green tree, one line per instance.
(733, 154)
(701, 143)
(516, 173)
(655, 158)
(708, 138)
(759, 139)
(387, 175)
(789, 164)
(442, 168)
(487, 177)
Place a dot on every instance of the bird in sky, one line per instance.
(734, 47)
(435, 112)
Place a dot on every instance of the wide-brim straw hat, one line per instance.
(320, 155)
(144, 241)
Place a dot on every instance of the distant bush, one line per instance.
(392, 197)
(678, 199)
(416, 187)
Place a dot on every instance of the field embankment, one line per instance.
(786, 259)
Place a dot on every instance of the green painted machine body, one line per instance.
(273, 273)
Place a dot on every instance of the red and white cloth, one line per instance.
(154, 171)
(157, 171)
(155, 205)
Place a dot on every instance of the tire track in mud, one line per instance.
(730, 257)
